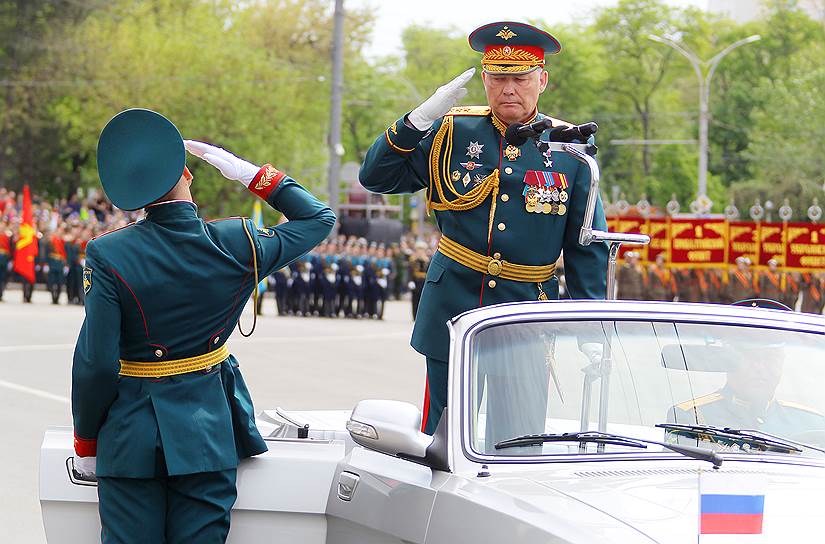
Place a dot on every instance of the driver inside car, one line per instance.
(748, 398)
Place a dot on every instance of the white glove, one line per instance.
(45, 269)
(85, 466)
(411, 285)
(444, 98)
(593, 351)
(229, 165)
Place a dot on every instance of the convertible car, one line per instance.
(571, 421)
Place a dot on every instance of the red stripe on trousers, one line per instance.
(426, 404)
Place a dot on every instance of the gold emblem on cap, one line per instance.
(505, 34)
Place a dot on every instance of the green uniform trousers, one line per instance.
(172, 509)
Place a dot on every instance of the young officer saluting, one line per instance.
(505, 212)
(161, 412)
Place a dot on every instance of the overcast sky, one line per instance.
(394, 15)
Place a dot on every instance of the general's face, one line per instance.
(514, 98)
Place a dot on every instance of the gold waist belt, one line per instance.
(494, 267)
(138, 369)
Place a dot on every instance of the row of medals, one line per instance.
(549, 201)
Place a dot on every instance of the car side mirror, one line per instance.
(389, 426)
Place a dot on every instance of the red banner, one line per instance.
(657, 229)
(26, 247)
(805, 248)
(772, 246)
(715, 242)
(629, 225)
(743, 241)
(698, 243)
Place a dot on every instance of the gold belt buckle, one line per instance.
(494, 267)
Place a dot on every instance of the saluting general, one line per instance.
(161, 412)
(505, 212)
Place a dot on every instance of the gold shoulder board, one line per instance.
(470, 110)
(788, 404)
(701, 401)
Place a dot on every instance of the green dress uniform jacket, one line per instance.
(168, 287)
(471, 148)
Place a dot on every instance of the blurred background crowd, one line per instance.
(349, 276)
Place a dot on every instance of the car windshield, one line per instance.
(627, 377)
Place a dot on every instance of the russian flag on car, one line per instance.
(730, 504)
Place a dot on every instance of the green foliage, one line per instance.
(254, 76)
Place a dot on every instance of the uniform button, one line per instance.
(505, 197)
(496, 255)
(492, 284)
(508, 170)
(158, 353)
(501, 226)
(216, 340)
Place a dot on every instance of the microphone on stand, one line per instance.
(517, 133)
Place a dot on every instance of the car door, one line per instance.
(377, 498)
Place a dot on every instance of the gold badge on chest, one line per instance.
(512, 152)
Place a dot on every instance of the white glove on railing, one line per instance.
(85, 466)
(230, 166)
(593, 351)
(444, 98)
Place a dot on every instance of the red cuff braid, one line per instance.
(85, 447)
(266, 180)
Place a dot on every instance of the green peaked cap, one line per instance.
(140, 158)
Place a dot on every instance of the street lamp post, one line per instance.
(704, 95)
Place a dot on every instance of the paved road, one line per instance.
(296, 363)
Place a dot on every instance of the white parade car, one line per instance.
(573, 421)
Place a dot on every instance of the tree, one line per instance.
(638, 67)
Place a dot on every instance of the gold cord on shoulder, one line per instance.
(440, 163)
(255, 290)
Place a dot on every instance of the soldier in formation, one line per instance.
(812, 288)
(5, 254)
(741, 285)
(419, 263)
(660, 284)
(631, 279)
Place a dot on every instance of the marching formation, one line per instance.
(347, 277)
(801, 291)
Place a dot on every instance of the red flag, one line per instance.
(26, 247)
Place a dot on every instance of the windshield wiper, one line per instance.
(613, 439)
(736, 437)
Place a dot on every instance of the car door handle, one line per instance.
(347, 482)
